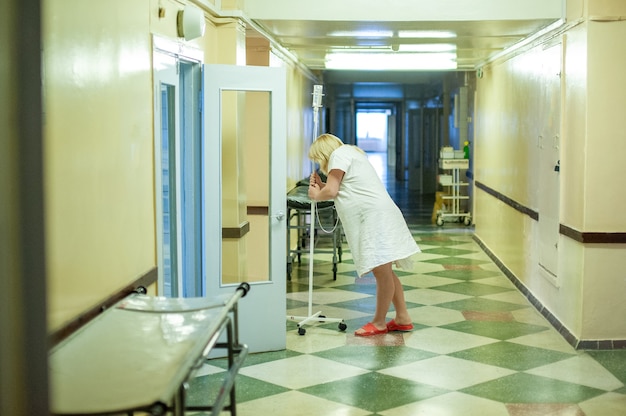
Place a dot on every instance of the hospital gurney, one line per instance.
(299, 217)
(139, 355)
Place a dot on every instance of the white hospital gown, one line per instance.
(373, 224)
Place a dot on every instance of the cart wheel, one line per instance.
(468, 220)
(289, 271)
(340, 252)
(301, 331)
(342, 326)
(334, 272)
(322, 316)
(439, 221)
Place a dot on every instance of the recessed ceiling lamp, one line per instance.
(391, 61)
(423, 34)
(362, 33)
(426, 47)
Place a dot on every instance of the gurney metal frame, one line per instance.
(140, 354)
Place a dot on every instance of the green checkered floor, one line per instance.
(478, 348)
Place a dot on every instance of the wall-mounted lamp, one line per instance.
(190, 22)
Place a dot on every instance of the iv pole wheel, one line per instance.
(342, 326)
(301, 331)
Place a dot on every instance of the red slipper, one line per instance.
(393, 326)
(369, 329)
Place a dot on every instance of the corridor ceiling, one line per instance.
(479, 30)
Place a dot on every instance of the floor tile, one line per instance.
(301, 371)
(447, 251)
(605, 405)
(203, 390)
(447, 372)
(316, 339)
(326, 295)
(510, 296)
(473, 289)
(497, 280)
(374, 359)
(390, 339)
(549, 339)
(473, 304)
(444, 341)
(548, 409)
(488, 316)
(457, 260)
(295, 403)
(451, 404)
(465, 274)
(435, 316)
(426, 281)
(495, 329)
(614, 361)
(366, 305)
(509, 355)
(431, 296)
(527, 388)
(329, 311)
(374, 392)
(530, 315)
(581, 369)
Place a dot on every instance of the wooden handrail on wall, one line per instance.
(144, 281)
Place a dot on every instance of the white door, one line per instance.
(549, 165)
(245, 196)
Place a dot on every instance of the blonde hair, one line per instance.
(321, 149)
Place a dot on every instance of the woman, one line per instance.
(375, 229)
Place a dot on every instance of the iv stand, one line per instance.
(317, 104)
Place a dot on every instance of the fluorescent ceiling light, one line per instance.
(391, 61)
(427, 47)
(362, 33)
(421, 34)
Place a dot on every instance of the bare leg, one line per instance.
(388, 290)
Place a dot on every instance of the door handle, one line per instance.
(279, 216)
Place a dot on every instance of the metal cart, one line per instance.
(451, 212)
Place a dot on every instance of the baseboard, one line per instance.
(579, 344)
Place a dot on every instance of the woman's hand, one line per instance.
(320, 191)
(314, 185)
(315, 179)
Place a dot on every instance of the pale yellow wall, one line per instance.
(604, 283)
(506, 155)
(588, 297)
(606, 132)
(98, 134)
(98, 144)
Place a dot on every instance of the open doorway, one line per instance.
(178, 179)
(376, 133)
(372, 137)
